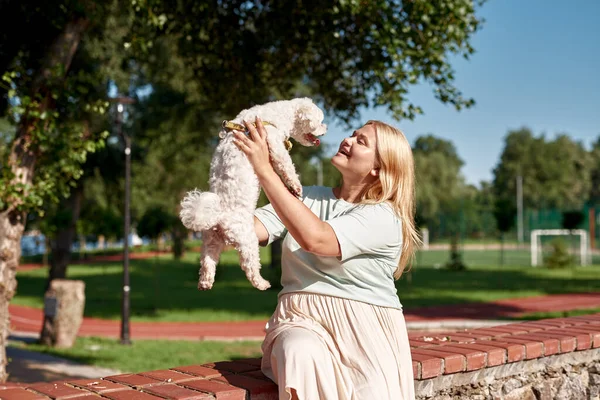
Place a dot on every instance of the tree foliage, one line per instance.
(154, 222)
(595, 174)
(346, 53)
(53, 90)
(556, 173)
(230, 55)
(439, 181)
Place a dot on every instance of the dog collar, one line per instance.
(230, 125)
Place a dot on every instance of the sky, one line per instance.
(537, 64)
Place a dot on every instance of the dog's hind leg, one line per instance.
(246, 243)
(212, 246)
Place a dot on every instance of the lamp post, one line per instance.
(121, 101)
(520, 209)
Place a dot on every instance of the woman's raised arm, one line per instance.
(312, 234)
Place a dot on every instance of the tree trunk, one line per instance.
(61, 245)
(21, 161)
(179, 235)
(12, 225)
(46, 250)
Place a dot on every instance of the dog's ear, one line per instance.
(304, 109)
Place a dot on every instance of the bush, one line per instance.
(559, 257)
(456, 262)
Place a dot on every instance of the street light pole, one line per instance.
(125, 309)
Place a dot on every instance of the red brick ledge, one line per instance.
(470, 350)
(433, 356)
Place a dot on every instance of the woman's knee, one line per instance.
(299, 343)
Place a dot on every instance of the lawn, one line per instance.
(146, 355)
(163, 289)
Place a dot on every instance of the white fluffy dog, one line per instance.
(224, 214)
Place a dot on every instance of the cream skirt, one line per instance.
(329, 348)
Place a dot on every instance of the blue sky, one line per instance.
(537, 64)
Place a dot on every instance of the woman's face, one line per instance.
(356, 158)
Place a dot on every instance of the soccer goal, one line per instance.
(536, 243)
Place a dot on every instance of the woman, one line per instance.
(338, 331)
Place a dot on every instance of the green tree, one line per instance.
(155, 222)
(483, 199)
(347, 53)
(505, 213)
(440, 185)
(555, 173)
(51, 97)
(89, 211)
(595, 174)
(476, 208)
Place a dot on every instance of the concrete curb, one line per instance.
(452, 324)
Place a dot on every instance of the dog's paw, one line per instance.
(205, 285)
(261, 284)
(295, 190)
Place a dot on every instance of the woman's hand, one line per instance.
(255, 147)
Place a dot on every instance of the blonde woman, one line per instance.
(338, 331)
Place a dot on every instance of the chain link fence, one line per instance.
(480, 242)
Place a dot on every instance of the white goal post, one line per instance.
(536, 243)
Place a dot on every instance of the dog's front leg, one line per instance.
(284, 167)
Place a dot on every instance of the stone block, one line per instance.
(524, 393)
(64, 303)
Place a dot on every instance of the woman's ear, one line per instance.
(375, 172)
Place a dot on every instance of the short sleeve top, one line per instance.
(370, 238)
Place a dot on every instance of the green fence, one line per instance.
(478, 225)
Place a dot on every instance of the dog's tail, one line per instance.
(200, 210)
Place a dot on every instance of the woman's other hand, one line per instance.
(255, 147)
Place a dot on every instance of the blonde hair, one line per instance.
(396, 185)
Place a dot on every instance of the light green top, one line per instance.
(370, 238)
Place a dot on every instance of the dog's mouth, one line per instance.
(315, 141)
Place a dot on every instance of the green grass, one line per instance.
(486, 240)
(146, 355)
(163, 289)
